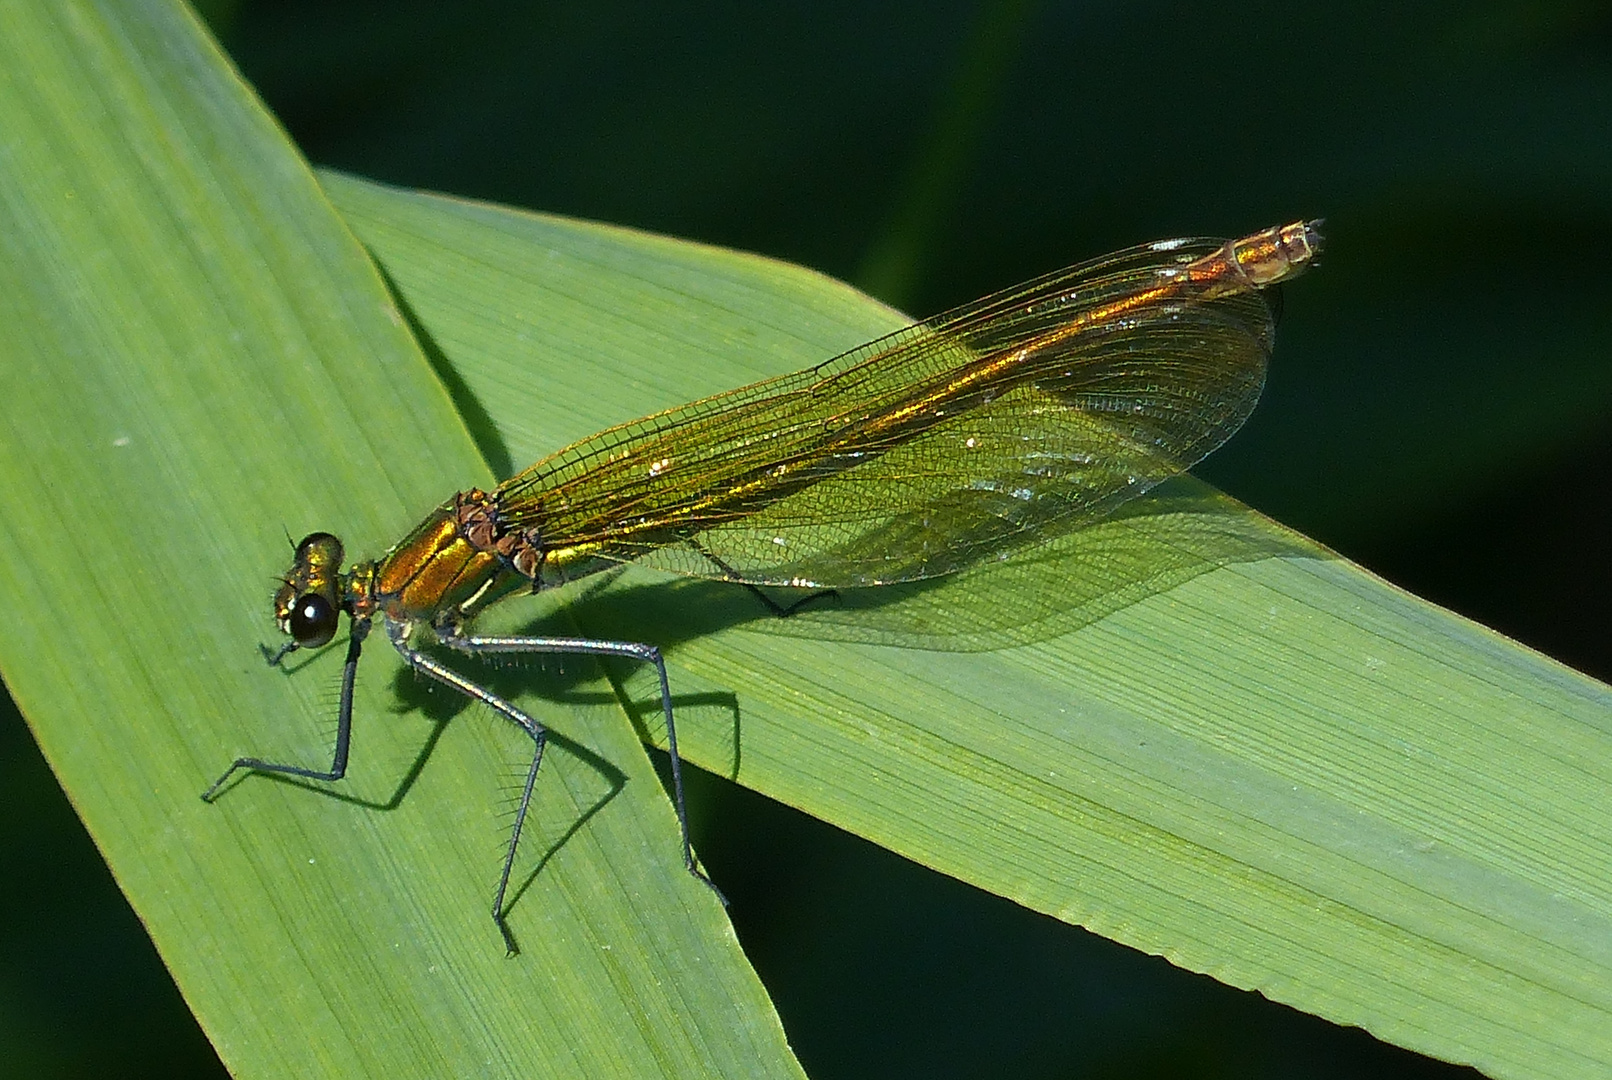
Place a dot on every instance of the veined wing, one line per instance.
(943, 444)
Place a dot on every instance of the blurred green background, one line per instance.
(1439, 406)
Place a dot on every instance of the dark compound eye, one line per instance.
(312, 621)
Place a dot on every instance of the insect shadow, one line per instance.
(1149, 546)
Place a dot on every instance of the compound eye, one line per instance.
(312, 621)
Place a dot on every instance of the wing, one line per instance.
(946, 443)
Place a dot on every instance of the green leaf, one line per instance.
(197, 356)
(1185, 728)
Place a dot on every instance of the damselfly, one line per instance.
(995, 425)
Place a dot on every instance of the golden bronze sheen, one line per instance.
(996, 425)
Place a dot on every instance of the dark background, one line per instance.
(1439, 407)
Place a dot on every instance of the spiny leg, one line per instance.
(399, 633)
(344, 722)
(630, 650)
(782, 611)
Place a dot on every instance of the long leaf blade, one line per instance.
(197, 353)
(1218, 742)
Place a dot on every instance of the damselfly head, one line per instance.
(308, 604)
